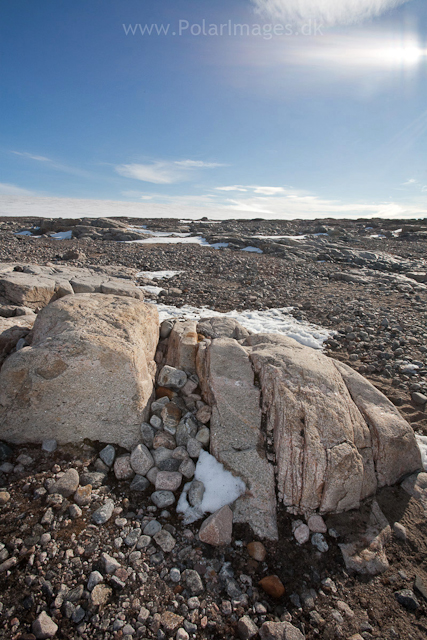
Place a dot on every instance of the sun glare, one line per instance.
(404, 56)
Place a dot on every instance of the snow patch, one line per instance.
(151, 288)
(221, 488)
(252, 249)
(157, 274)
(267, 321)
(62, 235)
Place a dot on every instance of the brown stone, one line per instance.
(83, 495)
(273, 586)
(164, 392)
(171, 621)
(257, 551)
(217, 529)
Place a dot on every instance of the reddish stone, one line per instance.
(273, 586)
(162, 392)
(257, 551)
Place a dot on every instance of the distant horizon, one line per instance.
(50, 207)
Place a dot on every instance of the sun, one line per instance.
(402, 55)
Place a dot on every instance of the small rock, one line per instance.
(108, 454)
(139, 483)
(50, 445)
(100, 594)
(407, 599)
(196, 493)
(217, 529)
(156, 422)
(152, 475)
(4, 497)
(141, 460)
(316, 524)
(147, 435)
(400, 531)
(318, 541)
(302, 533)
(172, 378)
(257, 551)
(175, 575)
(273, 586)
(67, 484)
(44, 627)
(181, 634)
(194, 447)
(152, 528)
(419, 398)
(164, 439)
(122, 467)
(204, 414)
(171, 415)
(163, 499)
(168, 480)
(94, 579)
(246, 628)
(83, 495)
(132, 537)
(203, 436)
(74, 511)
(110, 564)
(193, 582)
(104, 513)
(143, 542)
(280, 631)
(170, 621)
(187, 468)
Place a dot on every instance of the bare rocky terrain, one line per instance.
(365, 280)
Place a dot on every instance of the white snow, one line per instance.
(221, 488)
(150, 288)
(219, 245)
(252, 249)
(422, 444)
(62, 235)
(169, 239)
(282, 237)
(267, 321)
(157, 274)
(409, 368)
(23, 233)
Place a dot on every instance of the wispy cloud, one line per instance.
(7, 189)
(265, 191)
(327, 12)
(25, 154)
(164, 172)
(53, 164)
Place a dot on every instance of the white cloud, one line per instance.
(326, 12)
(164, 172)
(268, 191)
(236, 187)
(7, 189)
(25, 154)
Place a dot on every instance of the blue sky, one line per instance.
(311, 108)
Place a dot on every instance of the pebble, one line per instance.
(196, 493)
(279, 631)
(141, 460)
(400, 531)
(318, 541)
(107, 455)
(302, 533)
(122, 467)
(4, 497)
(83, 495)
(187, 468)
(194, 447)
(163, 499)
(316, 524)
(139, 483)
(257, 551)
(44, 627)
(172, 378)
(94, 578)
(67, 484)
(407, 599)
(104, 513)
(100, 594)
(273, 586)
(168, 480)
(50, 445)
(147, 435)
(193, 581)
(165, 540)
(246, 628)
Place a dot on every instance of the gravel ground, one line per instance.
(381, 329)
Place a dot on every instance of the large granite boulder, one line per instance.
(329, 435)
(88, 373)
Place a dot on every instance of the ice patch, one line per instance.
(281, 237)
(220, 245)
(252, 249)
(221, 488)
(422, 444)
(267, 321)
(23, 233)
(157, 274)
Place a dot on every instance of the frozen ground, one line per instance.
(268, 321)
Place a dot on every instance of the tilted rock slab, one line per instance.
(88, 374)
(227, 381)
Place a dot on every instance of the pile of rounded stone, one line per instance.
(171, 442)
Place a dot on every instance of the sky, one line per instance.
(233, 108)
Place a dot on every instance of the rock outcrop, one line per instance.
(88, 373)
(278, 407)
